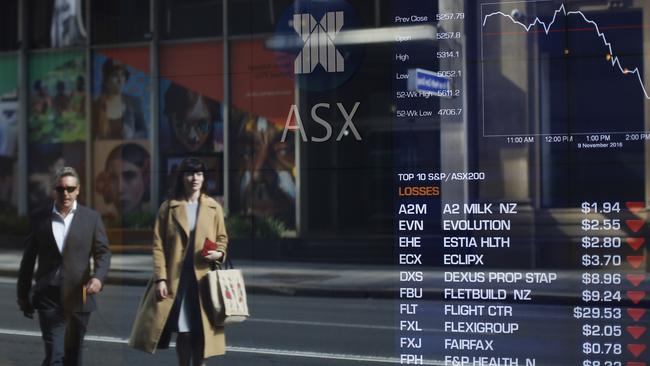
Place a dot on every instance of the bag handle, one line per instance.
(218, 265)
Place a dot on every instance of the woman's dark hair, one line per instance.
(188, 165)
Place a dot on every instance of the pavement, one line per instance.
(358, 281)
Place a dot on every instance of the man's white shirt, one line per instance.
(61, 226)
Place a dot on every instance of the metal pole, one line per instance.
(23, 87)
(226, 109)
(302, 170)
(154, 101)
(90, 151)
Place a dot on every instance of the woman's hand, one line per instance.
(213, 255)
(161, 290)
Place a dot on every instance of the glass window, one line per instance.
(262, 16)
(191, 119)
(190, 18)
(9, 25)
(120, 21)
(263, 165)
(385, 12)
(8, 133)
(255, 16)
(57, 121)
(365, 11)
(57, 23)
(121, 128)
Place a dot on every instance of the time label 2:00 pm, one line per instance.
(637, 137)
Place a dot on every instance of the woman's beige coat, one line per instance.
(171, 233)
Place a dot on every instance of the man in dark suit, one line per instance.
(64, 240)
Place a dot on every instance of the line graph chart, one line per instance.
(559, 64)
(615, 61)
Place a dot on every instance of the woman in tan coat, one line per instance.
(172, 301)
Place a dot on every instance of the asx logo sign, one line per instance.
(318, 38)
(347, 127)
(312, 46)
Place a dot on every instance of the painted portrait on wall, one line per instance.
(264, 183)
(191, 91)
(122, 173)
(57, 98)
(191, 122)
(120, 108)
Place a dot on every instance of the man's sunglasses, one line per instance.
(60, 189)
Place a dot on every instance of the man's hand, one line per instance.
(93, 286)
(26, 307)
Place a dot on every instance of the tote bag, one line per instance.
(227, 293)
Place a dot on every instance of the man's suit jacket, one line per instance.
(86, 238)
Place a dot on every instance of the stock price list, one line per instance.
(609, 230)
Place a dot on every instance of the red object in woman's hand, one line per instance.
(208, 245)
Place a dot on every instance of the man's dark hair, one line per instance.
(66, 171)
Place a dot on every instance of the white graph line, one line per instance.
(547, 27)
